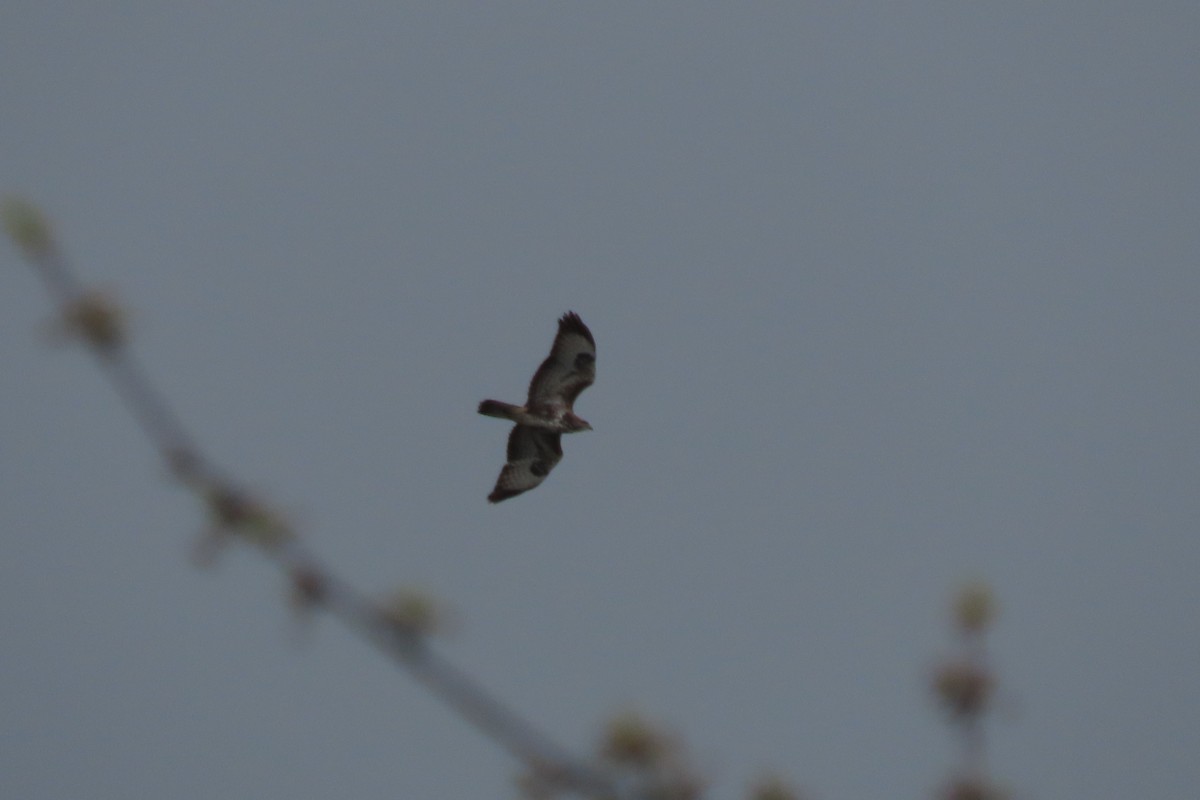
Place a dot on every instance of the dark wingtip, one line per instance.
(502, 494)
(571, 321)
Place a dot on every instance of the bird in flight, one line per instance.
(534, 446)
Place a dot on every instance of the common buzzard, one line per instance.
(534, 446)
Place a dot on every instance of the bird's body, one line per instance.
(558, 419)
(534, 444)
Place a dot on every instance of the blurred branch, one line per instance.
(634, 760)
(98, 322)
(964, 685)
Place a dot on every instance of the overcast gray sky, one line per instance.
(887, 297)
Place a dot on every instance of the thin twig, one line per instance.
(237, 513)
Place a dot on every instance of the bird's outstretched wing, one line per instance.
(532, 453)
(569, 369)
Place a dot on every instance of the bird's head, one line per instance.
(575, 424)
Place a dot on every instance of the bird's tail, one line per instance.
(494, 408)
